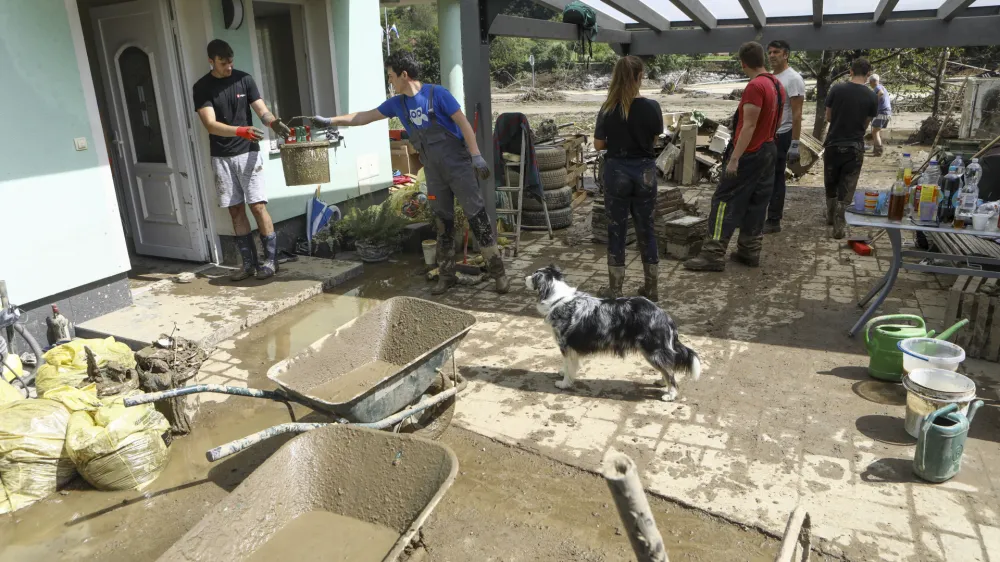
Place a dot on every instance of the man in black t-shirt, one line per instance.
(223, 99)
(850, 107)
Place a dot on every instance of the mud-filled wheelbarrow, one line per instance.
(391, 367)
(339, 493)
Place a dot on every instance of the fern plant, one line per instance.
(377, 224)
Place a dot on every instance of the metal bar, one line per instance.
(884, 9)
(698, 13)
(512, 26)
(755, 13)
(962, 32)
(952, 8)
(622, 478)
(817, 13)
(641, 13)
(215, 388)
(604, 21)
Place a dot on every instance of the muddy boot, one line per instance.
(710, 258)
(446, 267)
(616, 278)
(831, 210)
(269, 267)
(747, 250)
(494, 264)
(650, 276)
(772, 227)
(839, 221)
(248, 253)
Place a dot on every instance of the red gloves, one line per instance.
(250, 133)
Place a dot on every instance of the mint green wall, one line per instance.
(360, 75)
(41, 86)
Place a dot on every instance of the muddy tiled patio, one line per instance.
(784, 414)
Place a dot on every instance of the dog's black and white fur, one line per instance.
(586, 325)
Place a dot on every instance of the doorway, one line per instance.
(134, 62)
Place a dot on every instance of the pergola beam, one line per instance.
(604, 21)
(754, 12)
(906, 33)
(952, 8)
(698, 13)
(641, 13)
(817, 12)
(513, 26)
(884, 10)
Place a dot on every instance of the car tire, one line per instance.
(550, 158)
(535, 220)
(554, 199)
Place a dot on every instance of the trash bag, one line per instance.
(8, 394)
(76, 399)
(33, 458)
(11, 366)
(118, 448)
(66, 364)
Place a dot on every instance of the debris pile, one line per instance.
(735, 95)
(536, 95)
(928, 130)
(169, 363)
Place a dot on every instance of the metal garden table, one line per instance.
(882, 288)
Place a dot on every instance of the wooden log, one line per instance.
(633, 508)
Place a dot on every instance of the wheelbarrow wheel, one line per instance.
(432, 422)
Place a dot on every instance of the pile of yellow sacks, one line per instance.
(45, 441)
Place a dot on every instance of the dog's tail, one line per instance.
(687, 359)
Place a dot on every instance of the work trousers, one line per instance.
(741, 201)
(775, 210)
(630, 189)
(841, 170)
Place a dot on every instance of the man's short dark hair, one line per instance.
(219, 49)
(780, 44)
(861, 67)
(752, 54)
(402, 61)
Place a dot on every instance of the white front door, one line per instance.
(136, 48)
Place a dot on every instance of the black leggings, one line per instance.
(630, 188)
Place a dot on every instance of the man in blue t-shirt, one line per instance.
(443, 137)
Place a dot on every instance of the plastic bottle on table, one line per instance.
(969, 195)
(930, 177)
(950, 187)
(974, 173)
(905, 169)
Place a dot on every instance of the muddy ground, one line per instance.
(506, 504)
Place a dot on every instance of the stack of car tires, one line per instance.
(558, 195)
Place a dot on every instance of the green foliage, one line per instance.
(377, 224)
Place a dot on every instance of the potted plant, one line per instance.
(376, 231)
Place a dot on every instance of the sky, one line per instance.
(730, 9)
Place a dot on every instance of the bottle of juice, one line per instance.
(897, 201)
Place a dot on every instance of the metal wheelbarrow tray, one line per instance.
(373, 477)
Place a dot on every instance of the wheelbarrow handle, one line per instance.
(194, 389)
(238, 445)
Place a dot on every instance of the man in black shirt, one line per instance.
(223, 99)
(850, 107)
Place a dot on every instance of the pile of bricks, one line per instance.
(681, 237)
(669, 205)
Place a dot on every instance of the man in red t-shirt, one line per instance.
(744, 192)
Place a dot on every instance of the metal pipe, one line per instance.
(238, 445)
(216, 388)
(633, 508)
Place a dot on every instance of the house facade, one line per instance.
(105, 158)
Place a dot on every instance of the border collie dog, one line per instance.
(587, 325)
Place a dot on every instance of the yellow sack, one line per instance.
(66, 364)
(8, 394)
(75, 399)
(4, 502)
(33, 458)
(118, 448)
(14, 363)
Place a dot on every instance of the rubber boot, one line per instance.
(747, 250)
(494, 264)
(446, 265)
(831, 210)
(772, 227)
(839, 221)
(248, 253)
(616, 278)
(269, 266)
(710, 258)
(650, 276)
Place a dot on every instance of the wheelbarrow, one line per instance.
(383, 369)
(339, 493)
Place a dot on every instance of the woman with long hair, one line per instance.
(627, 127)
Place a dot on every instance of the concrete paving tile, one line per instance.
(664, 410)
(942, 509)
(642, 427)
(931, 545)
(890, 550)
(991, 540)
(623, 441)
(605, 410)
(691, 434)
(591, 435)
(859, 516)
(962, 549)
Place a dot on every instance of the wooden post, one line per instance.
(623, 480)
(797, 538)
(689, 145)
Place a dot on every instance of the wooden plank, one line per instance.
(968, 310)
(954, 298)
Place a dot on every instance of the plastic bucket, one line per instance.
(430, 251)
(928, 390)
(930, 353)
(306, 163)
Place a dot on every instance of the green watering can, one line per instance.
(885, 360)
(942, 440)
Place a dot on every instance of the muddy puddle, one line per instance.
(354, 382)
(328, 537)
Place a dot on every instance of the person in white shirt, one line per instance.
(787, 139)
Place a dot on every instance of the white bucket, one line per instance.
(930, 353)
(430, 251)
(928, 390)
